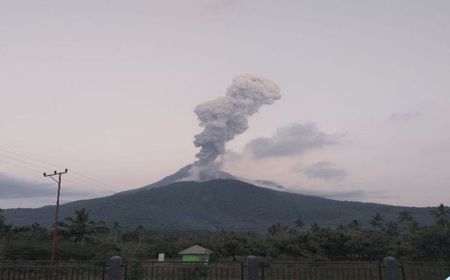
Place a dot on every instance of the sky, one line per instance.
(107, 89)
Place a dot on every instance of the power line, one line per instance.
(43, 164)
(22, 161)
(25, 156)
(34, 167)
(19, 165)
(48, 164)
(79, 175)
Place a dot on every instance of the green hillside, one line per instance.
(215, 205)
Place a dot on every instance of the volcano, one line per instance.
(223, 203)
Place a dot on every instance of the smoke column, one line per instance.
(225, 117)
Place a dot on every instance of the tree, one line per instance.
(441, 214)
(30, 232)
(80, 227)
(354, 224)
(299, 223)
(377, 221)
(392, 229)
(406, 218)
(277, 229)
(116, 232)
(234, 246)
(2, 219)
(140, 238)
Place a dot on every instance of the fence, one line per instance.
(389, 269)
(320, 271)
(150, 270)
(425, 270)
(54, 271)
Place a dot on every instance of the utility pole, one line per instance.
(55, 226)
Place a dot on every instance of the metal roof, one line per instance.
(195, 250)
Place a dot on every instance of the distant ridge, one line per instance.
(220, 204)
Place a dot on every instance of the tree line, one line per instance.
(82, 238)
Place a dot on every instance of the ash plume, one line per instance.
(225, 117)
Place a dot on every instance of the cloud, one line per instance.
(405, 116)
(11, 187)
(350, 195)
(354, 195)
(232, 156)
(323, 170)
(291, 140)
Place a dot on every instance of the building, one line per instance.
(195, 254)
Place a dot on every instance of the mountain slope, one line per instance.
(215, 205)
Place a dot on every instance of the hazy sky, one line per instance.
(107, 89)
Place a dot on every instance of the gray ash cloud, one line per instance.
(225, 117)
(295, 139)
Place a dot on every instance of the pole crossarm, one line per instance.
(55, 174)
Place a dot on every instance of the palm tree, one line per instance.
(2, 219)
(80, 227)
(276, 229)
(377, 221)
(441, 214)
(406, 218)
(116, 232)
(299, 223)
(2, 222)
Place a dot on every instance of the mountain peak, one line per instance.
(191, 172)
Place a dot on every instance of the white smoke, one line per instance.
(201, 173)
(225, 117)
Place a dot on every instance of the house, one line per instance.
(195, 254)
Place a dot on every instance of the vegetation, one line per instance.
(85, 239)
(81, 227)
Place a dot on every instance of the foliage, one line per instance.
(23, 249)
(81, 228)
(85, 239)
